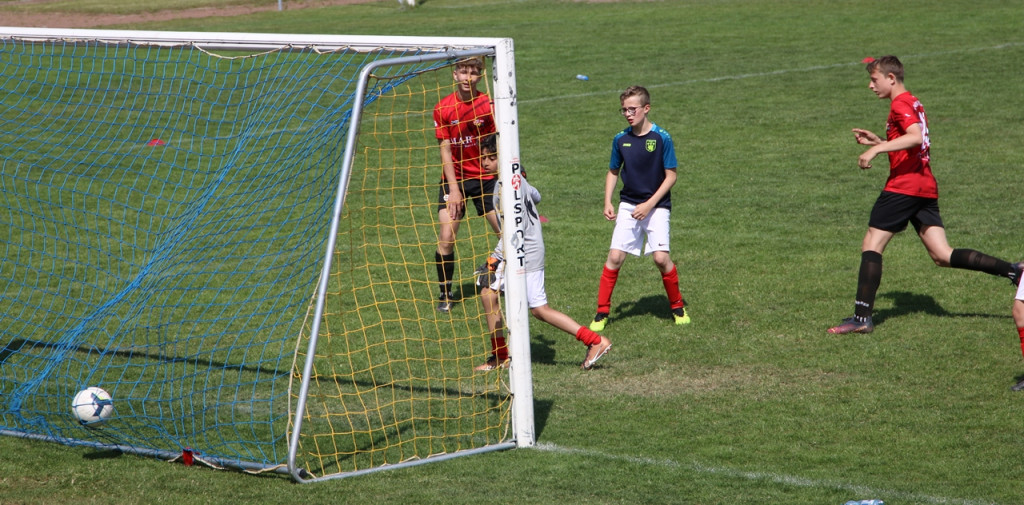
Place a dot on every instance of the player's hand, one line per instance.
(643, 210)
(609, 212)
(865, 137)
(455, 204)
(864, 161)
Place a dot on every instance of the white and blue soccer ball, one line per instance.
(92, 406)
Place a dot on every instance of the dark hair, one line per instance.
(887, 65)
(489, 143)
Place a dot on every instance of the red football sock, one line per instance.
(500, 349)
(671, 282)
(1020, 331)
(604, 293)
(590, 338)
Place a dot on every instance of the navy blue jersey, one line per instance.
(642, 162)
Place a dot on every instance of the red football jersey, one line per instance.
(462, 124)
(910, 171)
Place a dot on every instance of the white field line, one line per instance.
(727, 78)
(753, 75)
(856, 491)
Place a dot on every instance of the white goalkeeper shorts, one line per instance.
(1020, 292)
(536, 295)
(629, 235)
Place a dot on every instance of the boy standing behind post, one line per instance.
(644, 156)
(911, 195)
(492, 279)
(460, 120)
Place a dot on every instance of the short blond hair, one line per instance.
(637, 91)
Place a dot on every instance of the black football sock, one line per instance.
(867, 283)
(445, 272)
(970, 259)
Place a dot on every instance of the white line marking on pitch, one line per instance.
(861, 492)
(772, 73)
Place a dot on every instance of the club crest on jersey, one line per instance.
(651, 145)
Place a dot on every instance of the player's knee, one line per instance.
(615, 259)
(1018, 313)
(663, 261)
(542, 313)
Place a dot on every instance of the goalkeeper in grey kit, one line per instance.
(493, 280)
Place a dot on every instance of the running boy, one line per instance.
(536, 296)
(910, 195)
(645, 157)
(460, 120)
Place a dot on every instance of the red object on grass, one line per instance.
(186, 456)
(543, 219)
(867, 60)
(156, 142)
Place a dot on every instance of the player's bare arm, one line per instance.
(610, 181)
(912, 138)
(455, 202)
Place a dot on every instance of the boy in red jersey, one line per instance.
(910, 195)
(460, 120)
(644, 155)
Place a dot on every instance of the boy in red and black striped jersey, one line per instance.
(910, 195)
(460, 120)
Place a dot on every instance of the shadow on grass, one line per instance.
(905, 302)
(656, 305)
(103, 454)
(542, 351)
(541, 412)
(542, 348)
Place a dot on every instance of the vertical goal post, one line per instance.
(255, 289)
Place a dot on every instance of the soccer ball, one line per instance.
(92, 406)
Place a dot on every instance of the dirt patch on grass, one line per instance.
(86, 20)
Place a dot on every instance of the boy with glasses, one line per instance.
(644, 157)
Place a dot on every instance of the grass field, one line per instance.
(752, 403)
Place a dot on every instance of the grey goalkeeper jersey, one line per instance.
(532, 240)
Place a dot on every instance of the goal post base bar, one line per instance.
(304, 478)
(244, 466)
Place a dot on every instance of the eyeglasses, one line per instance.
(629, 111)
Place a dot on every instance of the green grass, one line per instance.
(752, 403)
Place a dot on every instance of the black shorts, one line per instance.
(479, 191)
(892, 212)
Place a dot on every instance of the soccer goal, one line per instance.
(234, 234)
